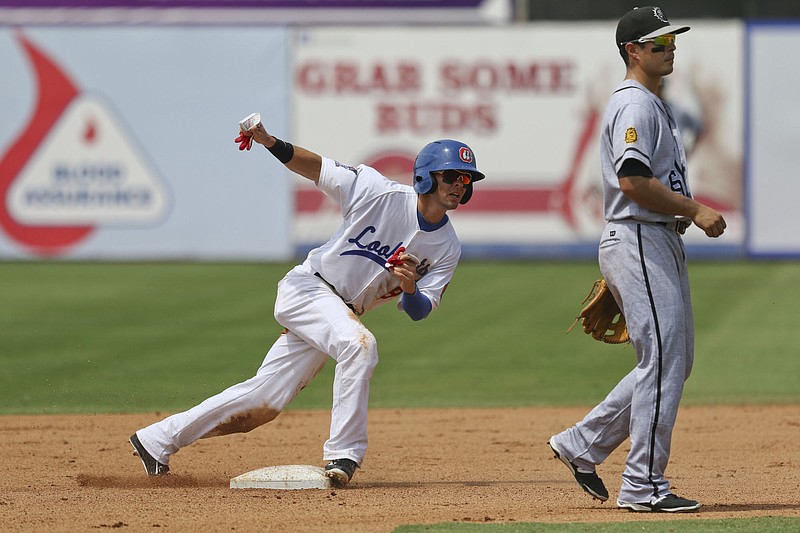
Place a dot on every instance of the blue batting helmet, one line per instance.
(445, 154)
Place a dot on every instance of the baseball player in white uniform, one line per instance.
(395, 241)
(648, 205)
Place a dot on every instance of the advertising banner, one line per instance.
(117, 143)
(773, 159)
(528, 99)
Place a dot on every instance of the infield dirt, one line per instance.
(78, 473)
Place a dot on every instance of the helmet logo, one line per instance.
(465, 154)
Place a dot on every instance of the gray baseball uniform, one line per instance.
(643, 260)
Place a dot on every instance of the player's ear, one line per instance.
(632, 49)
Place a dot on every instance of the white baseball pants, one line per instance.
(319, 326)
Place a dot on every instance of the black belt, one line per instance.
(678, 226)
(353, 309)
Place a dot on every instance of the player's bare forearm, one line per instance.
(304, 162)
(407, 282)
(652, 194)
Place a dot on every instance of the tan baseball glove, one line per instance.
(601, 317)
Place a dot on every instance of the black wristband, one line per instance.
(282, 150)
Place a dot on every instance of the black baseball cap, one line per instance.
(644, 23)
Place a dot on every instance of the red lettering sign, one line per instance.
(548, 77)
(435, 117)
(349, 77)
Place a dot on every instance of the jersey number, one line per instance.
(676, 183)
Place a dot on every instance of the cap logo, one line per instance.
(465, 154)
(657, 13)
(630, 135)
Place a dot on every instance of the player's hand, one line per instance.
(245, 140)
(404, 266)
(710, 221)
(407, 273)
(258, 134)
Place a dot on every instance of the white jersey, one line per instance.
(380, 215)
(638, 125)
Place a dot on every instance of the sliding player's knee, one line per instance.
(360, 353)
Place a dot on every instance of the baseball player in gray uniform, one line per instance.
(395, 241)
(648, 205)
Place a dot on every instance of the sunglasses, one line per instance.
(451, 176)
(661, 40)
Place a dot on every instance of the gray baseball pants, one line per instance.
(645, 267)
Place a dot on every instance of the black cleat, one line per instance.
(665, 504)
(340, 471)
(587, 480)
(151, 466)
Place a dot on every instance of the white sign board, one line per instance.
(118, 143)
(87, 171)
(773, 141)
(528, 100)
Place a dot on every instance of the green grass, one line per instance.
(113, 337)
(760, 525)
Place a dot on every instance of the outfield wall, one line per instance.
(117, 143)
(129, 153)
(529, 100)
(773, 137)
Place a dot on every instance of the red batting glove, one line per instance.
(395, 260)
(245, 141)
